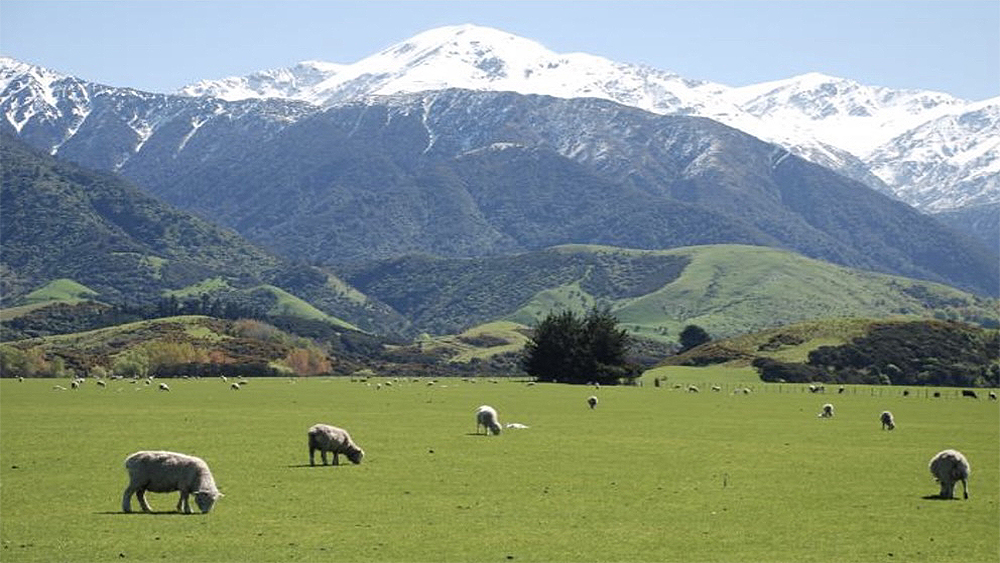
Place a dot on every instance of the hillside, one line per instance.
(97, 231)
(726, 289)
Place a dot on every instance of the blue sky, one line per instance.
(160, 46)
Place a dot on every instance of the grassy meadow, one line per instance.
(651, 474)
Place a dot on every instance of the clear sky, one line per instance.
(159, 46)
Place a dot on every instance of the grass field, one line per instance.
(651, 474)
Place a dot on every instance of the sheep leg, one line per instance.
(312, 456)
(322, 455)
(947, 490)
(183, 502)
(141, 495)
(127, 499)
(336, 458)
(965, 489)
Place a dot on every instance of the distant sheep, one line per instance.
(993, 396)
(101, 383)
(887, 420)
(827, 411)
(693, 389)
(235, 386)
(165, 472)
(74, 384)
(164, 387)
(969, 393)
(486, 416)
(716, 388)
(840, 389)
(592, 401)
(937, 394)
(906, 392)
(326, 438)
(949, 467)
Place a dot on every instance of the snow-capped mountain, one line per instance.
(852, 128)
(960, 149)
(832, 121)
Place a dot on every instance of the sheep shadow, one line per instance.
(152, 513)
(938, 497)
(307, 466)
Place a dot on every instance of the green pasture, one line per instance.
(651, 474)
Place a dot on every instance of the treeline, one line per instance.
(934, 353)
(66, 318)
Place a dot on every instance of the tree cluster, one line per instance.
(566, 348)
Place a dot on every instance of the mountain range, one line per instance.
(467, 143)
(835, 122)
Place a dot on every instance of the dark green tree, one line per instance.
(569, 349)
(693, 335)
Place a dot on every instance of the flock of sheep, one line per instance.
(163, 472)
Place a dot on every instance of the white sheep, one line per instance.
(74, 384)
(326, 438)
(827, 411)
(716, 388)
(592, 401)
(101, 383)
(693, 389)
(993, 396)
(486, 416)
(949, 467)
(887, 420)
(164, 387)
(235, 386)
(165, 472)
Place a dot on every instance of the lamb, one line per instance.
(949, 467)
(591, 400)
(486, 416)
(887, 420)
(326, 438)
(827, 411)
(164, 387)
(165, 472)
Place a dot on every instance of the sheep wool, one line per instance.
(326, 438)
(486, 416)
(950, 467)
(887, 420)
(166, 472)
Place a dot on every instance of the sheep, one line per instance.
(693, 389)
(235, 386)
(164, 387)
(937, 394)
(101, 383)
(165, 472)
(993, 396)
(486, 416)
(969, 393)
(827, 411)
(906, 392)
(74, 384)
(887, 420)
(592, 401)
(949, 467)
(716, 388)
(326, 438)
(840, 389)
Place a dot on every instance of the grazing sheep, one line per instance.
(949, 467)
(235, 386)
(164, 387)
(224, 379)
(969, 393)
(516, 425)
(326, 438)
(486, 416)
(165, 472)
(716, 388)
(693, 389)
(827, 411)
(993, 396)
(906, 392)
(101, 383)
(20, 379)
(74, 384)
(592, 401)
(840, 389)
(58, 388)
(887, 420)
